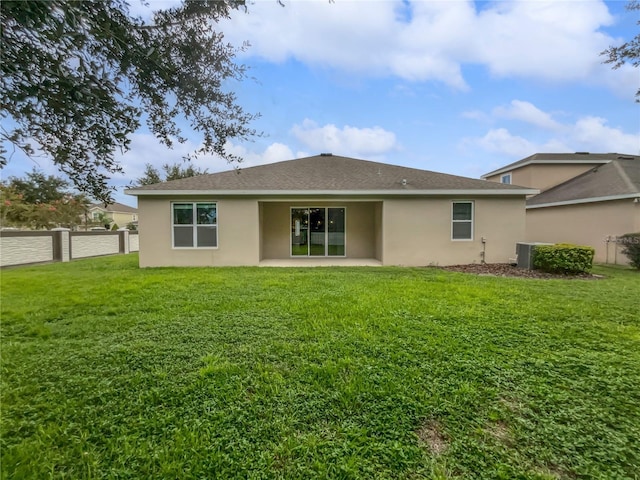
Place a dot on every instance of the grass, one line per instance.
(110, 371)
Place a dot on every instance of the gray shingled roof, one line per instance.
(325, 173)
(620, 177)
(578, 157)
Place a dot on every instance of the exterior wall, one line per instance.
(377, 226)
(238, 234)
(543, 176)
(276, 230)
(417, 232)
(91, 244)
(27, 248)
(122, 219)
(589, 224)
(276, 227)
(361, 232)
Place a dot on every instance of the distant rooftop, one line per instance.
(560, 158)
(115, 207)
(619, 178)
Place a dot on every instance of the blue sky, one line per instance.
(456, 86)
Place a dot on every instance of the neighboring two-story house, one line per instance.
(585, 198)
(115, 213)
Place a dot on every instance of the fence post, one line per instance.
(123, 234)
(61, 245)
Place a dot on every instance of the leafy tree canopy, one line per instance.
(40, 201)
(171, 172)
(77, 77)
(37, 187)
(628, 52)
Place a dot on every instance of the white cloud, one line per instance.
(546, 40)
(528, 113)
(427, 40)
(276, 152)
(501, 141)
(145, 148)
(587, 133)
(350, 141)
(594, 133)
(475, 115)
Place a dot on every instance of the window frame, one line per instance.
(470, 221)
(505, 176)
(194, 225)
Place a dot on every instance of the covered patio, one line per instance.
(320, 233)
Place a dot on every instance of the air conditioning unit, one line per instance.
(524, 254)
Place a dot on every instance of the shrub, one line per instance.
(114, 227)
(563, 258)
(631, 248)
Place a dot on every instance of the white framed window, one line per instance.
(194, 224)
(462, 220)
(506, 178)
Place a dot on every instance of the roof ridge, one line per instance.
(623, 174)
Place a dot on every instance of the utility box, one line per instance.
(524, 254)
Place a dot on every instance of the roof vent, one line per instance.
(404, 181)
(326, 154)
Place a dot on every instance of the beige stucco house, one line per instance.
(117, 213)
(586, 199)
(331, 209)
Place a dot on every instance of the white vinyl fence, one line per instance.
(62, 245)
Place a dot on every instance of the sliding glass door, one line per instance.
(318, 232)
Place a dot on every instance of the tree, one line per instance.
(40, 201)
(628, 52)
(631, 248)
(39, 188)
(78, 75)
(150, 177)
(102, 219)
(171, 172)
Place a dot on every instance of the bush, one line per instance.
(631, 248)
(563, 258)
(114, 227)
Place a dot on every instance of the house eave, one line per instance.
(537, 162)
(332, 193)
(578, 201)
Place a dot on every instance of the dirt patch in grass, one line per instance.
(500, 431)
(432, 437)
(558, 472)
(508, 270)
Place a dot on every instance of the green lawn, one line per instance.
(109, 371)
